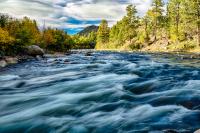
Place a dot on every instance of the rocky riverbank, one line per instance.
(31, 52)
(10, 60)
(35, 52)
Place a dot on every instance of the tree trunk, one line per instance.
(177, 19)
(198, 21)
(199, 35)
(146, 31)
(156, 24)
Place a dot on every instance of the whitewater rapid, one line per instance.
(107, 92)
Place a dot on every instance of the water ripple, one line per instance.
(107, 92)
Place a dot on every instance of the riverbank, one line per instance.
(29, 52)
(192, 53)
(10, 60)
(161, 49)
(170, 48)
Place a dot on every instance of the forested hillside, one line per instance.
(174, 26)
(88, 30)
(16, 34)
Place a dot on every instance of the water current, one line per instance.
(105, 92)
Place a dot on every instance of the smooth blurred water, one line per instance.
(106, 92)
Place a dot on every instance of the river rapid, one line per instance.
(105, 92)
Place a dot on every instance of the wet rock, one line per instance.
(68, 53)
(47, 56)
(170, 131)
(198, 131)
(38, 57)
(88, 54)
(24, 58)
(57, 55)
(20, 84)
(59, 60)
(35, 50)
(142, 88)
(54, 55)
(3, 63)
(11, 60)
(66, 61)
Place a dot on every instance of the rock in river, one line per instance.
(11, 60)
(2, 63)
(35, 50)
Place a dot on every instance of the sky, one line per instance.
(71, 15)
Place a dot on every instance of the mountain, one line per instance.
(88, 30)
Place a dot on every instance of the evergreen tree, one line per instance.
(4, 19)
(156, 15)
(131, 23)
(103, 33)
(145, 24)
(194, 15)
(174, 12)
(126, 29)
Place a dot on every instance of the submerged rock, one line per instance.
(38, 57)
(88, 54)
(34, 50)
(54, 55)
(3, 63)
(79, 129)
(170, 131)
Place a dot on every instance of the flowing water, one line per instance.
(107, 92)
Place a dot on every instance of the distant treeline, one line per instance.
(175, 26)
(16, 34)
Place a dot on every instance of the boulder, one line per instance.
(11, 60)
(88, 54)
(3, 63)
(34, 50)
(198, 131)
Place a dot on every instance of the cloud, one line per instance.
(68, 14)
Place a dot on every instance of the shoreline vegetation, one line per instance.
(172, 27)
(166, 27)
(16, 35)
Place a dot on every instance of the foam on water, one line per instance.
(8, 77)
(106, 92)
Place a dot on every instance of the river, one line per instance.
(105, 92)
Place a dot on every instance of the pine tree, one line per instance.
(195, 13)
(157, 13)
(146, 25)
(103, 33)
(131, 23)
(126, 29)
(4, 20)
(174, 12)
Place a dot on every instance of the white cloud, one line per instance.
(110, 10)
(56, 13)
